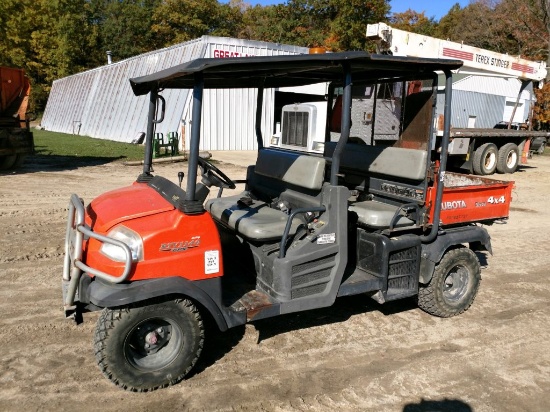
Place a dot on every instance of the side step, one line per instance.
(360, 282)
(394, 261)
(258, 305)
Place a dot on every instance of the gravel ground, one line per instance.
(354, 356)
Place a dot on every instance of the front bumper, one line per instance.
(76, 235)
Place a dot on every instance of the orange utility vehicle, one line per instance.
(16, 139)
(386, 222)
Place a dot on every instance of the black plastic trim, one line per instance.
(434, 251)
(144, 178)
(206, 292)
(171, 192)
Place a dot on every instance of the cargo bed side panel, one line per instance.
(468, 198)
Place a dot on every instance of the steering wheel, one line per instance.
(213, 176)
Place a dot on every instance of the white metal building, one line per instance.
(100, 103)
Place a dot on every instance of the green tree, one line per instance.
(415, 22)
(334, 24)
(474, 25)
(298, 22)
(448, 24)
(176, 21)
(124, 26)
(350, 23)
(47, 38)
(528, 26)
(17, 23)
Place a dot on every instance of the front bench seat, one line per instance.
(275, 170)
(256, 221)
(378, 215)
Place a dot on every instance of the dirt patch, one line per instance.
(356, 355)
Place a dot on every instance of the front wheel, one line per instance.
(454, 284)
(142, 348)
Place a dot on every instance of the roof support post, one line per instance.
(346, 124)
(198, 90)
(443, 157)
(259, 106)
(330, 101)
(148, 159)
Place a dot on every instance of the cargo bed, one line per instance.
(468, 199)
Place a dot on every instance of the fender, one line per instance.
(206, 292)
(476, 236)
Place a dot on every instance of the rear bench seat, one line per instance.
(380, 163)
(293, 178)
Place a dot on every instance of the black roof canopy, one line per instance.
(286, 70)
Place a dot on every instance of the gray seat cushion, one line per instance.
(256, 221)
(378, 215)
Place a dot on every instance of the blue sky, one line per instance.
(432, 8)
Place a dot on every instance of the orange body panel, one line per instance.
(14, 93)
(472, 199)
(525, 152)
(174, 244)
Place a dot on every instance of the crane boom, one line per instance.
(404, 43)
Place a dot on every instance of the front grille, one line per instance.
(295, 130)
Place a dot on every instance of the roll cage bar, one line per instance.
(286, 71)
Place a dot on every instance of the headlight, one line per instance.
(318, 146)
(127, 236)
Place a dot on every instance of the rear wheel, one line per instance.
(485, 159)
(508, 158)
(143, 348)
(454, 284)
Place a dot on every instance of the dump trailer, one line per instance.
(16, 139)
(385, 222)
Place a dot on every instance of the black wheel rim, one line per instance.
(153, 344)
(455, 284)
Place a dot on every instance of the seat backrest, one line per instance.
(293, 168)
(392, 175)
(398, 162)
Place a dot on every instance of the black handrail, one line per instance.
(289, 224)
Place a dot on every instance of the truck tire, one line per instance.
(454, 284)
(11, 162)
(7, 162)
(541, 148)
(143, 348)
(485, 159)
(508, 158)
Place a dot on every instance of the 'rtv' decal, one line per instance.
(180, 246)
